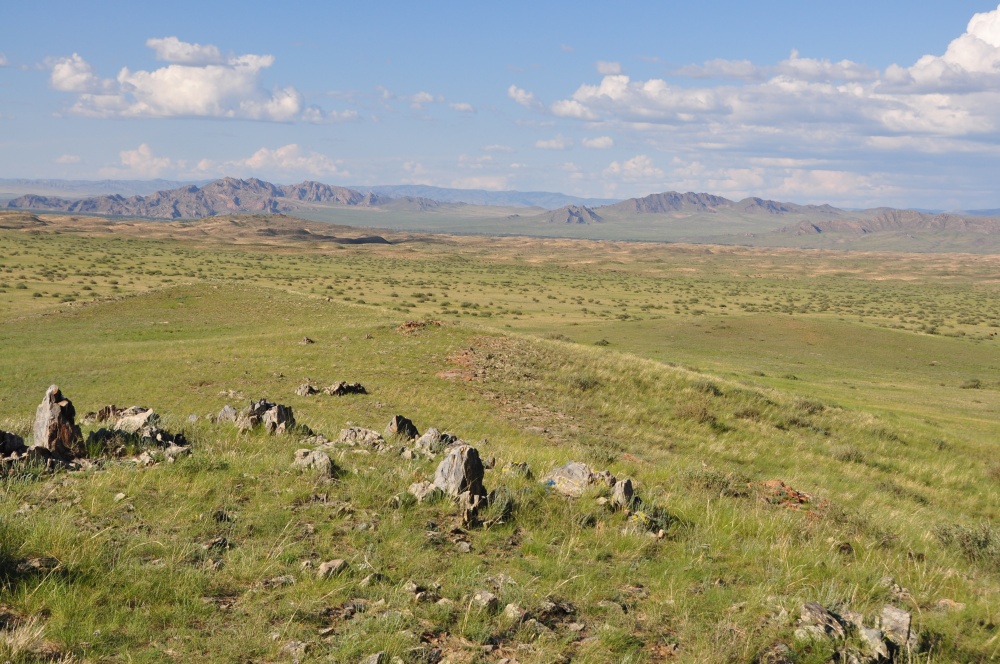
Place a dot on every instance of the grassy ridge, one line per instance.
(899, 469)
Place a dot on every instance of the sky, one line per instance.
(852, 103)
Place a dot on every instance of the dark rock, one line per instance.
(11, 444)
(306, 341)
(401, 427)
(816, 622)
(460, 472)
(571, 479)
(55, 429)
(342, 388)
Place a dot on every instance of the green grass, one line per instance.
(898, 466)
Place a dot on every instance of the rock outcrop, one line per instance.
(55, 429)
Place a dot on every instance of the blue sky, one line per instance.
(852, 103)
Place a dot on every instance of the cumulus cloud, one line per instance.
(496, 147)
(493, 182)
(462, 107)
(803, 103)
(599, 142)
(68, 159)
(639, 167)
(523, 97)
(198, 81)
(139, 163)
(558, 143)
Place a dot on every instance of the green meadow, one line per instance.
(868, 383)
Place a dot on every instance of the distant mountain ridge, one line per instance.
(542, 199)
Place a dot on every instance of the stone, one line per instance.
(571, 479)
(460, 472)
(192, 419)
(306, 390)
(343, 388)
(896, 625)
(331, 568)
(135, 420)
(313, 460)
(401, 427)
(817, 620)
(424, 491)
(376, 658)
(275, 418)
(623, 495)
(514, 613)
(874, 642)
(174, 452)
(306, 341)
(11, 444)
(434, 442)
(485, 600)
(357, 436)
(946, 604)
(55, 429)
(227, 414)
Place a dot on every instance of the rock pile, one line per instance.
(336, 390)
(890, 638)
(275, 418)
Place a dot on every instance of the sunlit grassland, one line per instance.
(693, 399)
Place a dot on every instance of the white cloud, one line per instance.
(74, 74)
(290, 159)
(599, 142)
(171, 49)
(639, 167)
(496, 147)
(523, 97)
(463, 107)
(68, 159)
(558, 143)
(139, 163)
(198, 82)
(607, 68)
(418, 100)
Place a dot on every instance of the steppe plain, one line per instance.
(866, 383)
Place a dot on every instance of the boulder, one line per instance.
(134, 419)
(816, 622)
(623, 495)
(275, 418)
(55, 429)
(460, 472)
(485, 600)
(434, 442)
(401, 427)
(896, 625)
(313, 460)
(331, 568)
(305, 390)
(519, 469)
(571, 479)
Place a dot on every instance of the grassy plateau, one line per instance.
(800, 426)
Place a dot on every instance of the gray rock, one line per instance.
(378, 658)
(174, 452)
(623, 495)
(313, 460)
(434, 442)
(514, 613)
(331, 568)
(485, 600)
(275, 418)
(874, 642)
(461, 471)
(357, 436)
(423, 491)
(306, 390)
(896, 625)
(227, 414)
(401, 427)
(571, 479)
(55, 429)
(135, 419)
(817, 620)
(192, 419)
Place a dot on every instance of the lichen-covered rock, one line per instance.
(896, 625)
(571, 479)
(461, 471)
(55, 429)
(275, 418)
(623, 495)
